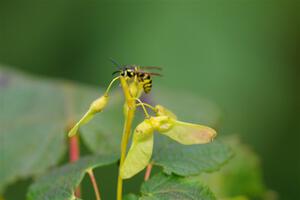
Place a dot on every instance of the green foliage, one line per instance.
(164, 187)
(242, 176)
(37, 113)
(130, 197)
(189, 160)
(61, 183)
(33, 120)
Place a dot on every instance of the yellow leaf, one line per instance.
(140, 151)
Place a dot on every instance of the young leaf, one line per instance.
(140, 151)
(163, 187)
(61, 182)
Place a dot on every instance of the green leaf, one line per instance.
(189, 160)
(164, 187)
(35, 114)
(61, 182)
(130, 197)
(241, 176)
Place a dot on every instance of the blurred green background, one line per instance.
(243, 55)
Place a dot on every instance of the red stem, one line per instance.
(148, 172)
(74, 152)
(74, 155)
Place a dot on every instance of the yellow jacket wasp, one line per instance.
(138, 73)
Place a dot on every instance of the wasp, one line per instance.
(137, 72)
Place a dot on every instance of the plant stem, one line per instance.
(130, 103)
(74, 154)
(148, 172)
(94, 183)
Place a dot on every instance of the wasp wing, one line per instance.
(151, 73)
(151, 67)
(188, 133)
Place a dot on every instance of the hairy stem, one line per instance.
(148, 172)
(94, 183)
(130, 103)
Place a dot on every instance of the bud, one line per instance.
(135, 89)
(95, 107)
(99, 104)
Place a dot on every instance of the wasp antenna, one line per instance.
(116, 72)
(116, 63)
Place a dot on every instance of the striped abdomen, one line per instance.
(145, 80)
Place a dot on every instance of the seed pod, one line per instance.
(96, 106)
(182, 132)
(162, 111)
(140, 151)
(162, 123)
(99, 104)
(187, 133)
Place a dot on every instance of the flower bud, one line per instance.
(95, 107)
(135, 89)
(99, 104)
